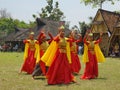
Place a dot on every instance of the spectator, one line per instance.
(0, 48)
(116, 50)
(15, 48)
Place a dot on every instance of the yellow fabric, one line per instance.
(48, 56)
(37, 53)
(68, 52)
(99, 55)
(36, 48)
(85, 54)
(26, 51)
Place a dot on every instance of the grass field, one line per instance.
(10, 63)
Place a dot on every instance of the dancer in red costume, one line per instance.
(92, 55)
(57, 57)
(40, 68)
(75, 65)
(30, 53)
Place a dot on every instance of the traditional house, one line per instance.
(108, 23)
(19, 34)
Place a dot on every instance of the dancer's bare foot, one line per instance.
(19, 72)
(33, 77)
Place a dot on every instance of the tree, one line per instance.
(7, 25)
(83, 27)
(52, 13)
(97, 3)
(4, 14)
(118, 12)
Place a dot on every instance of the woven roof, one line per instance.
(21, 34)
(110, 19)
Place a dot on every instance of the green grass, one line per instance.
(10, 63)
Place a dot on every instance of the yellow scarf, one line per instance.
(48, 57)
(36, 51)
(99, 55)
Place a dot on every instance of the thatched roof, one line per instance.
(17, 35)
(52, 26)
(21, 34)
(111, 19)
(109, 23)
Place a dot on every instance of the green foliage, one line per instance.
(8, 25)
(83, 27)
(52, 13)
(97, 3)
(118, 12)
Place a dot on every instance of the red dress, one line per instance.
(60, 72)
(40, 67)
(29, 62)
(91, 69)
(75, 65)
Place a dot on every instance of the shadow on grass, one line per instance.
(101, 78)
(39, 78)
(62, 85)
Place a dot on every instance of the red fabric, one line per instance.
(25, 41)
(91, 69)
(42, 64)
(59, 72)
(29, 63)
(76, 66)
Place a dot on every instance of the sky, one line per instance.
(74, 11)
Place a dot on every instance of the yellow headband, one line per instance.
(90, 34)
(61, 27)
(32, 33)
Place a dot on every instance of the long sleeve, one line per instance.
(79, 40)
(98, 41)
(51, 38)
(56, 39)
(25, 41)
(50, 35)
(85, 41)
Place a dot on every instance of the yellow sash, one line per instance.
(26, 50)
(99, 55)
(49, 55)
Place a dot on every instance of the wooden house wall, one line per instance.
(103, 43)
(99, 27)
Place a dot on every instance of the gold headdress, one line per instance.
(32, 33)
(61, 27)
(90, 34)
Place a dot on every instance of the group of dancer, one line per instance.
(58, 60)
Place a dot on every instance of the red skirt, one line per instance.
(42, 64)
(60, 72)
(40, 68)
(76, 66)
(91, 69)
(29, 63)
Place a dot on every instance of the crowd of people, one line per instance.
(115, 50)
(58, 60)
(9, 47)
